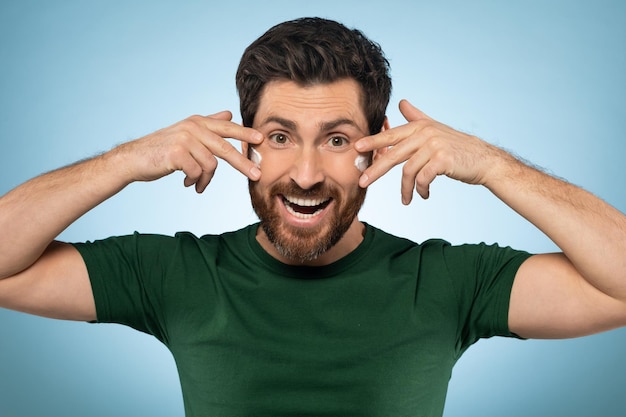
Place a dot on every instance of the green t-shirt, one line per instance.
(374, 334)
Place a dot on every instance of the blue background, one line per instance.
(545, 79)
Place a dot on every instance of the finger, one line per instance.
(390, 137)
(410, 172)
(191, 168)
(425, 177)
(385, 139)
(221, 124)
(408, 140)
(208, 163)
(384, 163)
(226, 151)
(195, 160)
(221, 115)
(205, 179)
(412, 113)
(211, 130)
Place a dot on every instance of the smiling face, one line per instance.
(308, 196)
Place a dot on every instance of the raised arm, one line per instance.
(577, 292)
(44, 277)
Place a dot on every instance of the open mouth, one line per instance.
(305, 208)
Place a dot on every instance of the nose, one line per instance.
(307, 169)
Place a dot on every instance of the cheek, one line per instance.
(273, 165)
(346, 171)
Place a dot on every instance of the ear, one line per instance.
(380, 152)
(244, 148)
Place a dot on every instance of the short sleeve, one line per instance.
(482, 277)
(127, 276)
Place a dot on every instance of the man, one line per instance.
(311, 311)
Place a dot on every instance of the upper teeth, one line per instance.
(306, 202)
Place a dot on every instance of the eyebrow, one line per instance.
(333, 124)
(324, 126)
(288, 124)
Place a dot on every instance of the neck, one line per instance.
(349, 242)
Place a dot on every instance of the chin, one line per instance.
(305, 244)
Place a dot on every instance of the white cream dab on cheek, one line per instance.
(255, 157)
(361, 162)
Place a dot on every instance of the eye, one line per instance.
(337, 141)
(279, 138)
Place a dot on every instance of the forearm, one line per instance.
(590, 232)
(33, 214)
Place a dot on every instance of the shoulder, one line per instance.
(151, 245)
(441, 252)
(389, 243)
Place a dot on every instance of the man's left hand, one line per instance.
(428, 149)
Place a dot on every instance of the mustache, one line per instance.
(319, 190)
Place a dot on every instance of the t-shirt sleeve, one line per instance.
(482, 277)
(128, 277)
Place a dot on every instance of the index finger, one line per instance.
(220, 130)
(387, 156)
(382, 140)
(221, 124)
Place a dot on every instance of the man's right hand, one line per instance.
(40, 276)
(190, 146)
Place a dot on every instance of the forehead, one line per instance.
(315, 104)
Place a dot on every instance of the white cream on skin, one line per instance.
(360, 162)
(255, 157)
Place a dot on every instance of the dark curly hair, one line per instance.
(313, 51)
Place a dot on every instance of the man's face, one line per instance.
(308, 195)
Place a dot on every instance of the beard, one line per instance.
(304, 244)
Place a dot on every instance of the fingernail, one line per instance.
(256, 136)
(255, 172)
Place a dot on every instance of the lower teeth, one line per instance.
(302, 215)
